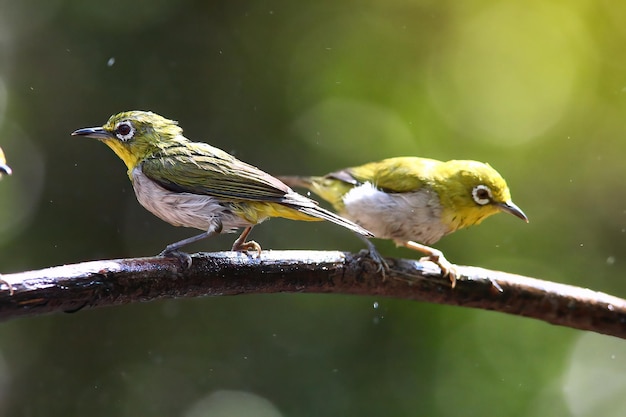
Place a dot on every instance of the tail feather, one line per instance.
(322, 213)
(294, 181)
(329, 188)
(314, 210)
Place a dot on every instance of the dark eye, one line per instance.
(481, 195)
(124, 130)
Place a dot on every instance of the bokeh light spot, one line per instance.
(595, 381)
(508, 73)
(226, 403)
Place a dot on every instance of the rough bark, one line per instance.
(105, 283)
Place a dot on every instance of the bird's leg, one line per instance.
(436, 256)
(172, 250)
(373, 253)
(241, 245)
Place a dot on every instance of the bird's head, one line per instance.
(134, 135)
(474, 192)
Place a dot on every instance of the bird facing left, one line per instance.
(194, 184)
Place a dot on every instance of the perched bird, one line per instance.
(414, 201)
(4, 168)
(194, 184)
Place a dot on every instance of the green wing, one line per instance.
(200, 168)
(394, 175)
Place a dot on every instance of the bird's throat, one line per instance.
(123, 152)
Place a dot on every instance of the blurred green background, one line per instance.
(537, 89)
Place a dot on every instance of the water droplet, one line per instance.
(375, 305)
(610, 260)
(111, 62)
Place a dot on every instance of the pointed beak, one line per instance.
(5, 169)
(511, 208)
(92, 132)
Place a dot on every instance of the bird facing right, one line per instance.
(415, 201)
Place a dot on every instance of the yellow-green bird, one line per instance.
(194, 184)
(4, 168)
(414, 201)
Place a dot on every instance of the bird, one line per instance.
(4, 168)
(414, 201)
(193, 184)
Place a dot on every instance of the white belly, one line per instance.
(400, 216)
(183, 209)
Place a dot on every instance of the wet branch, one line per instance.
(106, 283)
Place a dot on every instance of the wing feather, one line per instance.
(202, 169)
(394, 175)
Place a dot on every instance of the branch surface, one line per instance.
(121, 281)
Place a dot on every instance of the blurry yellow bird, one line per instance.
(414, 201)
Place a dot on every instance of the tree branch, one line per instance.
(105, 283)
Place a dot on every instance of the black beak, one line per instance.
(511, 208)
(92, 132)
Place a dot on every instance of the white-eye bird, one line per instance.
(194, 184)
(414, 201)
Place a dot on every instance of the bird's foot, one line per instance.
(241, 245)
(447, 269)
(436, 256)
(250, 245)
(381, 263)
(182, 257)
(376, 257)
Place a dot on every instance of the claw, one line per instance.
(436, 256)
(250, 245)
(241, 245)
(376, 257)
(182, 257)
(447, 269)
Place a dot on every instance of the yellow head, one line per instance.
(471, 191)
(134, 135)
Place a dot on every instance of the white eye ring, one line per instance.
(481, 195)
(124, 130)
